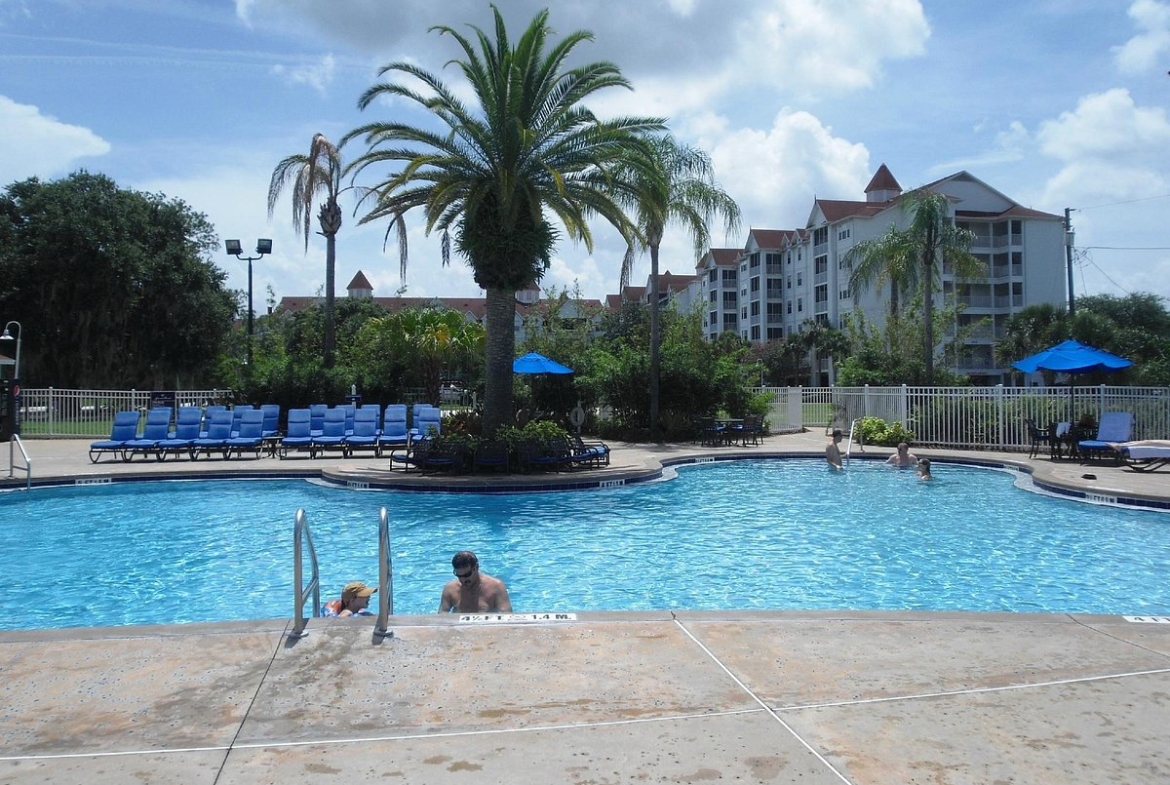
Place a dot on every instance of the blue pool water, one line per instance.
(727, 535)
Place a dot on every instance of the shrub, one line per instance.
(875, 430)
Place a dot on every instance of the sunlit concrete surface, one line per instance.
(691, 697)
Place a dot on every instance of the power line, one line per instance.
(1128, 201)
(1121, 248)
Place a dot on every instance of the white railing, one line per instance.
(54, 413)
(984, 417)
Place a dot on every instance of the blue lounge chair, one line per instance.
(297, 434)
(250, 435)
(157, 428)
(394, 432)
(187, 425)
(208, 411)
(218, 432)
(317, 418)
(271, 425)
(1114, 428)
(238, 416)
(124, 429)
(332, 433)
(428, 419)
(365, 432)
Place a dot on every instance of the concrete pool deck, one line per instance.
(751, 697)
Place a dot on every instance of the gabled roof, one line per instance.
(770, 238)
(360, 282)
(835, 210)
(668, 282)
(723, 257)
(883, 180)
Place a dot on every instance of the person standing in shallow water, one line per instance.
(833, 450)
(924, 469)
(473, 591)
(903, 458)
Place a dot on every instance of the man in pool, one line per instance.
(473, 591)
(833, 451)
(903, 458)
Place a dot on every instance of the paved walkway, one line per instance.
(746, 697)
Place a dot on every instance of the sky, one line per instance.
(1055, 103)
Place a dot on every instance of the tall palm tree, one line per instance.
(316, 175)
(915, 257)
(526, 150)
(676, 184)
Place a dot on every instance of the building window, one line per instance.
(799, 280)
(843, 234)
(729, 277)
(756, 333)
(790, 282)
(800, 305)
(821, 235)
(743, 313)
(755, 260)
(755, 283)
(714, 296)
(713, 275)
(843, 294)
(821, 265)
(755, 308)
(790, 306)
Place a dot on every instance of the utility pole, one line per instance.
(1069, 236)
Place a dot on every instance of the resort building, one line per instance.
(785, 278)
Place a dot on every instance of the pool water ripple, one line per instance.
(726, 535)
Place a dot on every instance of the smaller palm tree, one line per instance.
(316, 175)
(914, 258)
(675, 183)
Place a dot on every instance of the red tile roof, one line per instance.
(883, 180)
(360, 282)
(835, 209)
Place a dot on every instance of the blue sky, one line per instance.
(1055, 103)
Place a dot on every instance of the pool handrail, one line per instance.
(385, 578)
(301, 533)
(12, 467)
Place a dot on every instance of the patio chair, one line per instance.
(591, 454)
(298, 433)
(209, 410)
(491, 455)
(238, 416)
(712, 432)
(1114, 428)
(1036, 437)
(317, 418)
(332, 436)
(271, 425)
(250, 435)
(218, 433)
(187, 425)
(365, 432)
(124, 429)
(394, 432)
(429, 418)
(1146, 456)
(157, 428)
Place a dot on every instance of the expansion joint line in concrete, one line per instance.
(772, 712)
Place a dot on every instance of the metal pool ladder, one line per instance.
(385, 578)
(302, 536)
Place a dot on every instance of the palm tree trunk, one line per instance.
(655, 343)
(330, 220)
(500, 351)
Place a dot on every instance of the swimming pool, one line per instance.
(761, 534)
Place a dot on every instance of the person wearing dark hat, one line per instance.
(473, 591)
(354, 599)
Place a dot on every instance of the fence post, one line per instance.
(796, 407)
(904, 407)
(1001, 429)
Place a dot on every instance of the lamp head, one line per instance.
(233, 247)
(263, 247)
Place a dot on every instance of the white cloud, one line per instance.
(773, 174)
(1108, 126)
(1142, 52)
(317, 76)
(37, 145)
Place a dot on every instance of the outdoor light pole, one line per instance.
(1069, 237)
(263, 248)
(7, 336)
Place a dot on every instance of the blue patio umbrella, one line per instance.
(1072, 357)
(533, 362)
